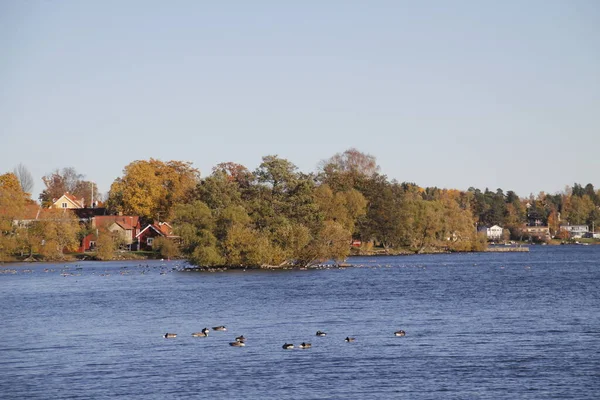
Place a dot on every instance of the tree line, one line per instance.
(278, 215)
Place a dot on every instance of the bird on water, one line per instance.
(240, 339)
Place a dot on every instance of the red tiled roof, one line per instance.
(106, 220)
(72, 198)
(164, 228)
(124, 225)
(32, 211)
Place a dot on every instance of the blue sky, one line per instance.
(452, 94)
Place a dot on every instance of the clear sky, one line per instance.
(502, 94)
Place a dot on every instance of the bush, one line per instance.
(106, 246)
(166, 247)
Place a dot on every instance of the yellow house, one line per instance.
(67, 200)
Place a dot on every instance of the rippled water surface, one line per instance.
(486, 326)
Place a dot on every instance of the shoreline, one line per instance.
(133, 256)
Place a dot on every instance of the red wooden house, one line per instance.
(145, 239)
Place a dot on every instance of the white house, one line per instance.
(492, 232)
(575, 231)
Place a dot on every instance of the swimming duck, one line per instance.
(349, 339)
(237, 344)
(240, 339)
(219, 328)
(304, 345)
(170, 335)
(321, 333)
(288, 346)
(399, 333)
(200, 334)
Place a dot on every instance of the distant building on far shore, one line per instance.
(575, 231)
(536, 232)
(492, 232)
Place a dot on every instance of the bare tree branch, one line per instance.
(24, 177)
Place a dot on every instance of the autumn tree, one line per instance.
(579, 210)
(166, 247)
(343, 207)
(67, 180)
(57, 232)
(9, 181)
(423, 223)
(105, 245)
(343, 171)
(330, 243)
(235, 173)
(151, 188)
(459, 231)
(12, 206)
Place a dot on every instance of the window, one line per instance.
(149, 241)
(64, 205)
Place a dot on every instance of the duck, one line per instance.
(349, 339)
(321, 333)
(237, 344)
(200, 334)
(288, 346)
(304, 345)
(219, 328)
(170, 335)
(399, 333)
(241, 339)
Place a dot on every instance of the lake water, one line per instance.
(478, 326)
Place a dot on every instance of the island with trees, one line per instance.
(276, 215)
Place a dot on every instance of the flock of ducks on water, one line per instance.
(240, 341)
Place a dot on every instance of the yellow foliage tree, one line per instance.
(58, 233)
(150, 188)
(343, 207)
(12, 205)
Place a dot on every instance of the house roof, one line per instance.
(32, 211)
(35, 212)
(124, 225)
(106, 220)
(151, 226)
(71, 197)
(78, 203)
(162, 228)
(165, 228)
